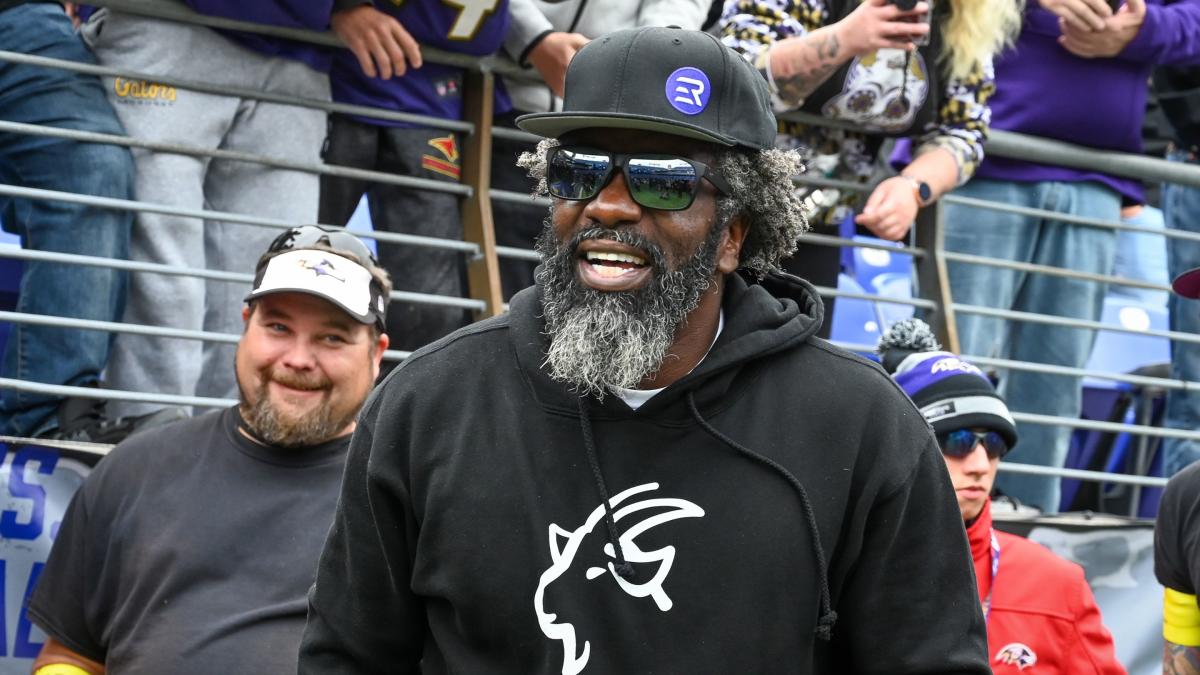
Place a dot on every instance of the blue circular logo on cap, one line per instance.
(688, 90)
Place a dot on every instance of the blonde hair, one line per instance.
(976, 30)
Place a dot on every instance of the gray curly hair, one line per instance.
(762, 191)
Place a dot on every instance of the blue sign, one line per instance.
(36, 484)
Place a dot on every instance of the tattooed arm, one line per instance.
(797, 66)
(1180, 660)
(796, 48)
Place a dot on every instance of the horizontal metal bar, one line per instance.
(1074, 323)
(100, 449)
(1067, 371)
(1048, 151)
(215, 275)
(440, 300)
(117, 327)
(238, 92)
(226, 216)
(1009, 144)
(518, 198)
(1112, 427)
(825, 291)
(319, 168)
(1070, 218)
(138, 329)
(126, 265)
(515, 135)
(1081, 474)
(821, 182)
(180, 13)
(518, 253)
(1048, 369)
(1052, 271)
(114, 394)
(830, 240)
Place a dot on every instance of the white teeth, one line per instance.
(610, 271)
(615, 257)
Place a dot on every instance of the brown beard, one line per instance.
(278, 429)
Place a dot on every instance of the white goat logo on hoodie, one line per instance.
(565, 545)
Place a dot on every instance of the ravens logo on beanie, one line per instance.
(951, 393)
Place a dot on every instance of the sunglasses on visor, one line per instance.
(663, 182)
(961, 443)
(311, 235)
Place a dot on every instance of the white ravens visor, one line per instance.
(337, 279)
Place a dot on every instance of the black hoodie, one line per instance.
(471, 535)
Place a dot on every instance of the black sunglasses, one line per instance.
(664, 182)
(961, 443)
(305, 236)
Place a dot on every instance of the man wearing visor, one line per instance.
(1038, 607)
(649, 464)
(190, 548)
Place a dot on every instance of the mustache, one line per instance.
(657, 259)
(311, 382)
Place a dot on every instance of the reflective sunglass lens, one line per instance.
(309, 235)
(995, 444)
(958, 443)
(962, 442)
(574, 174)
(666, 183)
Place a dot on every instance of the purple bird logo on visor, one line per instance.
(688, 90)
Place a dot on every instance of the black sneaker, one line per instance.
(84, 419)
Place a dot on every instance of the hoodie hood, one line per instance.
(761, 318)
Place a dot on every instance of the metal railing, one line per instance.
(928, 254)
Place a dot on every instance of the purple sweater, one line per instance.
(1097, 103)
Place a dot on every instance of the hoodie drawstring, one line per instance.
(623, 567)
(828, 616)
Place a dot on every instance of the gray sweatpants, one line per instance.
(161, 113)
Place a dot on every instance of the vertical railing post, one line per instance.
(932, 281)
(483, 272)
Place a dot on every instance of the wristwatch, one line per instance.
(921, 189)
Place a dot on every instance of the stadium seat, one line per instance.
(360, 221)
(1126, 352)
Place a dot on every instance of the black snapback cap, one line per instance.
(668, 80)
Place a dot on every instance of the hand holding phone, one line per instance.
(909, 5)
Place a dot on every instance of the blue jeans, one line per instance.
(1045, 242)
(53, 97)
(1181, 209)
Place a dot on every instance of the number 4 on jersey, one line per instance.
(471, 13)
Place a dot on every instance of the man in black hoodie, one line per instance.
(649, 464)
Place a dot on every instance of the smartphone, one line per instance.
(908, 5)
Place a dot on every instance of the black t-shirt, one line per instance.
(190, 549)
(1178, 91)
(1177, 533)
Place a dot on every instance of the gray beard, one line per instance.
(601, 341)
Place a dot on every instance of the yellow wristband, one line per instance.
(1181, 618)
(60, 669)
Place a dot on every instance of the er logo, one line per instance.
(688, 90)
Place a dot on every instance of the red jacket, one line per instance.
(1043, 617)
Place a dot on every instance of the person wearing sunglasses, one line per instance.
(649, 464)
(1038, 607)
(191, 547)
